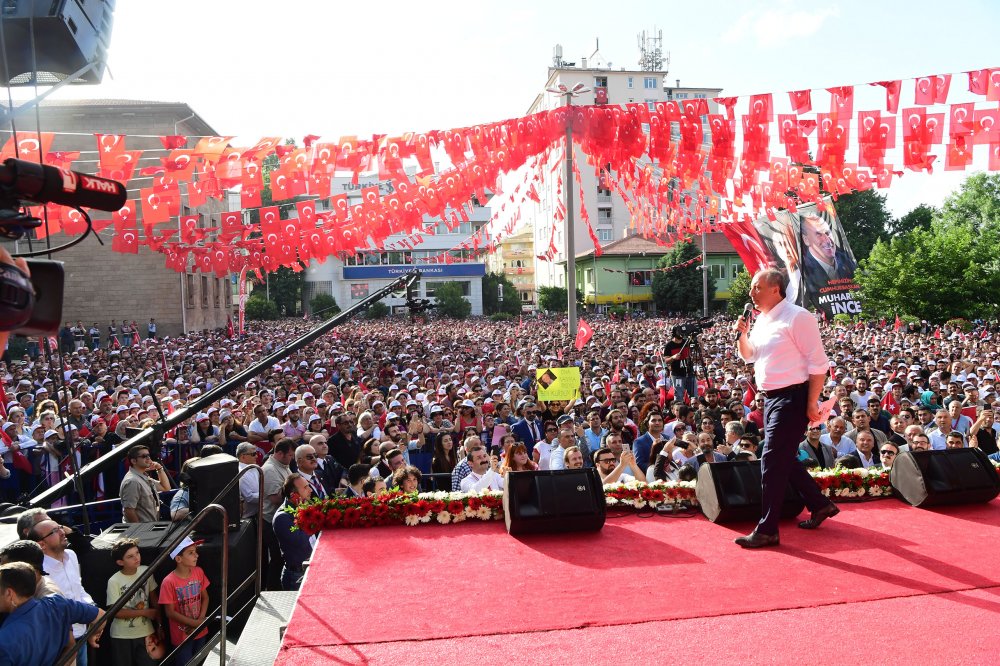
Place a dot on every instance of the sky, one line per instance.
(253, 68)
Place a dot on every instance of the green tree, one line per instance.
(739, 289)
(377, 310)
(918, 218)
(976, 201)
(285, 286)
(552, 299)
(259, 308)
(511, 303)
(450, 301)
(323, 305)
(865, 220)
(680, 289)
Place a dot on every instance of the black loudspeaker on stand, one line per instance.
(570, 500)
(730, 492)
(950, 476)
(207, 477)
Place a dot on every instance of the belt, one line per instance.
(785, 390)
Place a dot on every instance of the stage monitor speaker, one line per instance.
(68, 34)
(207, 477)
(730, 492)
(951, 476)
(570, 500)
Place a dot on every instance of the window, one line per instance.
(718, 271)
(589, 276)
(651, 104)
(431, 286)
(700, 96)
(359, 290)
(640, 278)
(601, 81)
(189, 287)
(630, 82)
(604, 216)
(649, 82)
(738, 268)
(681, 95)
(525, 296)
(228, 293)
(604, 235)
(204, 291)
(216, 288)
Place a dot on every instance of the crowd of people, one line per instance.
(389, 404)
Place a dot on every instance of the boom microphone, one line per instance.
(46, 184)
(747, 310)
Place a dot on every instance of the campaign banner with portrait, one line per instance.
(810, 243)
(558, 383)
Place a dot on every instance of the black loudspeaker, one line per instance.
(570, 500)
(730, 492)
(67, 35)
(206, 477)
(951, 476)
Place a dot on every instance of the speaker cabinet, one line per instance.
(951, 476)
(730, 492)
(207, 477)
(570, 500)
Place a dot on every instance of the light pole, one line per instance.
(704, 273)
(569, 94)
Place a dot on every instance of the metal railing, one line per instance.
(109, 615)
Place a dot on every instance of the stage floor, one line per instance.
(883, 576)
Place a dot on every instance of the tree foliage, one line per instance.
(285, 287)
(511, 303)
(739, 292)
(323, 305)
(377, 310)
(552, 299)
(680, 290)
(865, 219)
(948, 270)
(918, 218)
(450, 301)
(259, 308)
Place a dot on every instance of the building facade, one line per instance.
(515, 258)
(353, 279)
(102, 285)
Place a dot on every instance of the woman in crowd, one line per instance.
(445, 458)
(517, 460)
(203, 432)
(315, 425)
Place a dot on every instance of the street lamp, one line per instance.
(569, 94)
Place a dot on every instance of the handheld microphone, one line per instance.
(46, 184)
(747, 310)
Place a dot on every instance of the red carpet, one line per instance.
(881, 569)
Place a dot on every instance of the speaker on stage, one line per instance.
(206, 477)
(950, 476)
(730, 492)
(570, 500)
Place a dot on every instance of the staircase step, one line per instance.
(258, 644)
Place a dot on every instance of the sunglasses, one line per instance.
(888, 453)
(54, 531)
(309, 456)
(606, 460)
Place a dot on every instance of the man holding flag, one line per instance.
(678, 354)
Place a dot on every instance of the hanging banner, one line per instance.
(243, 296)
(558, 383)
(810, 243)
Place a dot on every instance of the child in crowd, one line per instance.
(136, 620)
(184, 597)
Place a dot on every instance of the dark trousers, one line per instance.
(785, 423)
(273, 561)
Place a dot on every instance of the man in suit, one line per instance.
(329, 472)
(529, 428)
(815, 450)
(823, 260)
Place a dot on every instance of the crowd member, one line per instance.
(573, 458)
(139, 493)
(136, 620)
(516, 460)
(184, 599)
(296, 546)
(887, 454)
(246, 455)
(612, 470)
(483, 473)
(276, 470)
(36, 629)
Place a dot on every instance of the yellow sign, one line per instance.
(558, 383)
(619, 298)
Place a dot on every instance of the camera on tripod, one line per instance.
(690, 329)
(33, 306)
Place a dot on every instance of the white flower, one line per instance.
(484, 513)
(425, 518)
(440, 495)
(458, 517)
(412, 520)
(470, 513)
(444, 517)
(611, 501)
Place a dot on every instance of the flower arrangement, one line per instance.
(843, 483)
(637, 495)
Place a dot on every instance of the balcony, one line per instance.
(524, 270)
(603, 197)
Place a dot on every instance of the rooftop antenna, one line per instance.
(557, 53)
(651, 56)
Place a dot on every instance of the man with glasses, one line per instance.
(887, 454)
(920, 442)
(345, 445)
(63, 567)
(617, 471)
(246, 454)
(529, 429)
(138, 492)
(305, 461)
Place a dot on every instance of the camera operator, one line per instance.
(678, 354)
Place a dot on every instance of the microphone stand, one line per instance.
(153, 436)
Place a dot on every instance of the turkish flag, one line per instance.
(891, 94)
(748, 244)
(126, 237)
(801, 101)
(232, 224)
(898, 324)
(212, 147)
(119, 166)
(932, 89)
(108, 147)
(29, 146)
(154, 207)
(179, 164)
(583, 335)
(230, 332)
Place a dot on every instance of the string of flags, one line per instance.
(666, 269)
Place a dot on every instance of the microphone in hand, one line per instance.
(747, 310)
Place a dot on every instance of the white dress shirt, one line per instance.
(474, 482)
(66, 574)
(785, 347)
(249, 491)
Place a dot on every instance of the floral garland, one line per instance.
(399, 508)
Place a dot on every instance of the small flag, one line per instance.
(583, 335)
(230, 332)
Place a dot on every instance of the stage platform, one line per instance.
(883, 582)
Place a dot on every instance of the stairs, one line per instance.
(261, 637)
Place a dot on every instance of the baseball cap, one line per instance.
(185, 542)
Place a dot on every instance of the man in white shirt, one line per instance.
(63, 568)
(262, 424)
(246, 454)
(484, 472)
(790, 366)
(861, 395)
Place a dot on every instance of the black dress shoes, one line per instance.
(817, 518)
(758, 540)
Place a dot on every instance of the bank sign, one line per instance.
(389, 272)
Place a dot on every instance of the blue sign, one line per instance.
(437, 270)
